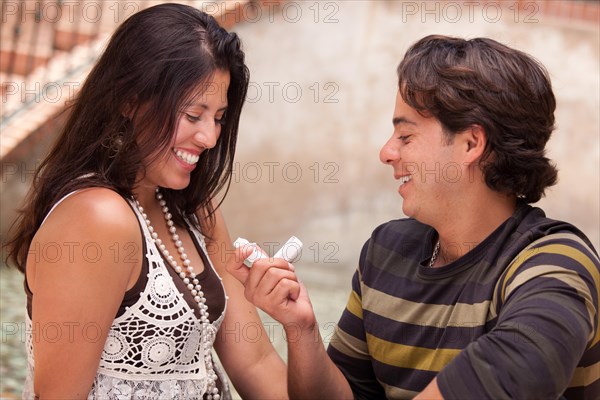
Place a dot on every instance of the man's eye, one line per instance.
(404, 138)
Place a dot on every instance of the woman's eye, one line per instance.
(404, 138)
(192, 118)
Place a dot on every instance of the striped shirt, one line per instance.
(515, 317)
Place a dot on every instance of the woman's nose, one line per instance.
(208, 134)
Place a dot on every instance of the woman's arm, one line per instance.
(78, 269)
(273, 287)
(255, 368)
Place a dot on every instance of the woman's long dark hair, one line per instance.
(156, 58)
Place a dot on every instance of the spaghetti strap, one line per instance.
(58, 202)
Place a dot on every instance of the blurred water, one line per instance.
(319, 108)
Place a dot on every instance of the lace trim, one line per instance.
(109, 387)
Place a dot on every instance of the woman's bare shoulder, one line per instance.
(97, 209)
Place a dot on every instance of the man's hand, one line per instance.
(273, 286)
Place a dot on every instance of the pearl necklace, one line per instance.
(193, 284)
(434, 256)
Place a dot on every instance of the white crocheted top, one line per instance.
(168, 363)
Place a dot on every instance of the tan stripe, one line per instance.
(521, 258)
(509, 271)
(412, 357)
(584, 260)
(529, 251)
(437, 315)
(349, 345)
(585, 376)
(567, 251)
(518, 258)
(393, 392)
(575, 238)
(567, 276)
(354, 304)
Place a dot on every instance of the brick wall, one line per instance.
(576, 11)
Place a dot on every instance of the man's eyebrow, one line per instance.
(402, 120)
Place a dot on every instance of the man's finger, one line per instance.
(235, 264)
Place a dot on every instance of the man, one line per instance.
(477, 294)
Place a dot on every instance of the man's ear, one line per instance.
(475, 140)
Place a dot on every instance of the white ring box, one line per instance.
(290, 251)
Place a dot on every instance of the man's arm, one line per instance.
(310, 370)
(272, 286)
(547, 319)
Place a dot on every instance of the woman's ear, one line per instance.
(129, 109)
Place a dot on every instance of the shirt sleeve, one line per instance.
(348, 345)
(547, 318)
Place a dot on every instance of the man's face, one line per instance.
(429, 168)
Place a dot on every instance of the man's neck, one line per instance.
(464, 228)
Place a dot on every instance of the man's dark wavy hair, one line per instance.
(482, 82)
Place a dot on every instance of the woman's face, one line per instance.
(198, 129)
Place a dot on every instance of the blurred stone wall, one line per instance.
(319, 108)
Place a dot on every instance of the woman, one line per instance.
(124, 300)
